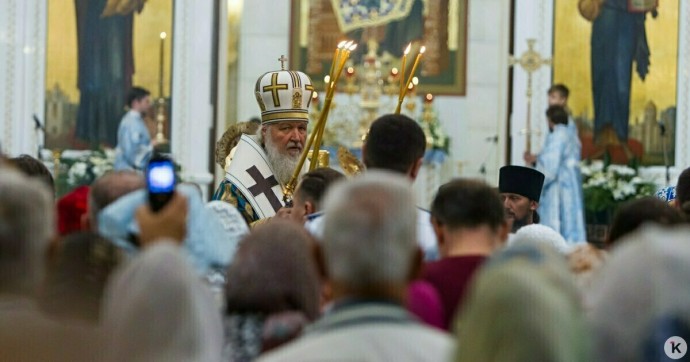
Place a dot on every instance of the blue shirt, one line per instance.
(134, 148)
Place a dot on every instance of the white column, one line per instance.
(658, 173)
(192, 111)
(265, 36)
(683, 91)
(22, 79)
(483, 111)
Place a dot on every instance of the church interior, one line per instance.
(573, 116)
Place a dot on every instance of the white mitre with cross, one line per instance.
(283, 95)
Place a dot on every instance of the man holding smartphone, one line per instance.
(134, 146)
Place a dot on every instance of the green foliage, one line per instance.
(606, 186)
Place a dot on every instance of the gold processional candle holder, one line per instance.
(160, 121)
(404, 85)
(342, 53)
(323, 160)
(412, 93)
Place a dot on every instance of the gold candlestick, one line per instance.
(401, 96)
(160, 122)
(344, 55)
(414, 66)
(402, 70)
(344, 51)
(161, 59)
(336, 55)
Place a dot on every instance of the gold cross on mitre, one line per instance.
(282, 61)
(530, 61)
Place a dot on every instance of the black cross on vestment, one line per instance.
(263, 186)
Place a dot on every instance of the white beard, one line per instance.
(283, 165)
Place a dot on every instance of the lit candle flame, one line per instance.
(353, 47)
(415, 80)
(422, 49)
(341, 44)
(394, 71)
(163, 35)
(314, 95)
(407, 50)
(327, 79)
(350, 70)
(429, 97)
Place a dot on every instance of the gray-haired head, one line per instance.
(27, 221)
(370, 230)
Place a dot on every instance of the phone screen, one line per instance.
(160, 181)
(161, 177)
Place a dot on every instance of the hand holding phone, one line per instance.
(168, 224)
(160, 181)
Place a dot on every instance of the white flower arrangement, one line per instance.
(83, 169)
(606, 186)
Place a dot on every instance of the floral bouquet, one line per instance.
(83, 169)
(607, 186)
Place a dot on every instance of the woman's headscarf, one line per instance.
(523, 306)
(540, 233)
(642, 296)
(157, 309)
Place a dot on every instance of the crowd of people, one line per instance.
(351, 269)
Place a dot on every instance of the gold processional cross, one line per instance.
(530, 61)
(282, 61)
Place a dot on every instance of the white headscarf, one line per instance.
(642, 296)
(157, 309)
(541, 234)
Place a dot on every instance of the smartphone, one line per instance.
(160, 181)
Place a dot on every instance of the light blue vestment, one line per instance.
(133, 143)
(561, 204)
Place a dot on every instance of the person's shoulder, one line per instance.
(131, 119)
(347, 344)
(304, 348)
(560, 129)
(131, 116)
